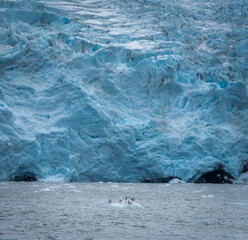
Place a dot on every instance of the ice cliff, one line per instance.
(123, 90)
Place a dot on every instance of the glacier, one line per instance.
(123, 90)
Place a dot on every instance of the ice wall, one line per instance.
(123, 90)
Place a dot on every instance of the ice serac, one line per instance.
(123, 90)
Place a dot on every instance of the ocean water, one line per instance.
(38, 210)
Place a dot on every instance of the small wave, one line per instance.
(207, 196)
(240, 204)
(46, 190)
(75, 190)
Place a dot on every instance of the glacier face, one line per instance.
(123, 90)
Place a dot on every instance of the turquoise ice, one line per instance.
(123, 90)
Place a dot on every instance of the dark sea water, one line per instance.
(81, 211)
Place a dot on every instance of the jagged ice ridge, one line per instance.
(123, 90)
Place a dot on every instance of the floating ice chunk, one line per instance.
(125, 205)
(126, 202)
(53, 179)
(243, 179)
(176, 181)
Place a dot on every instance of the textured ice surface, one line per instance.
(176, 181)
(122, 90)
(243, 179)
